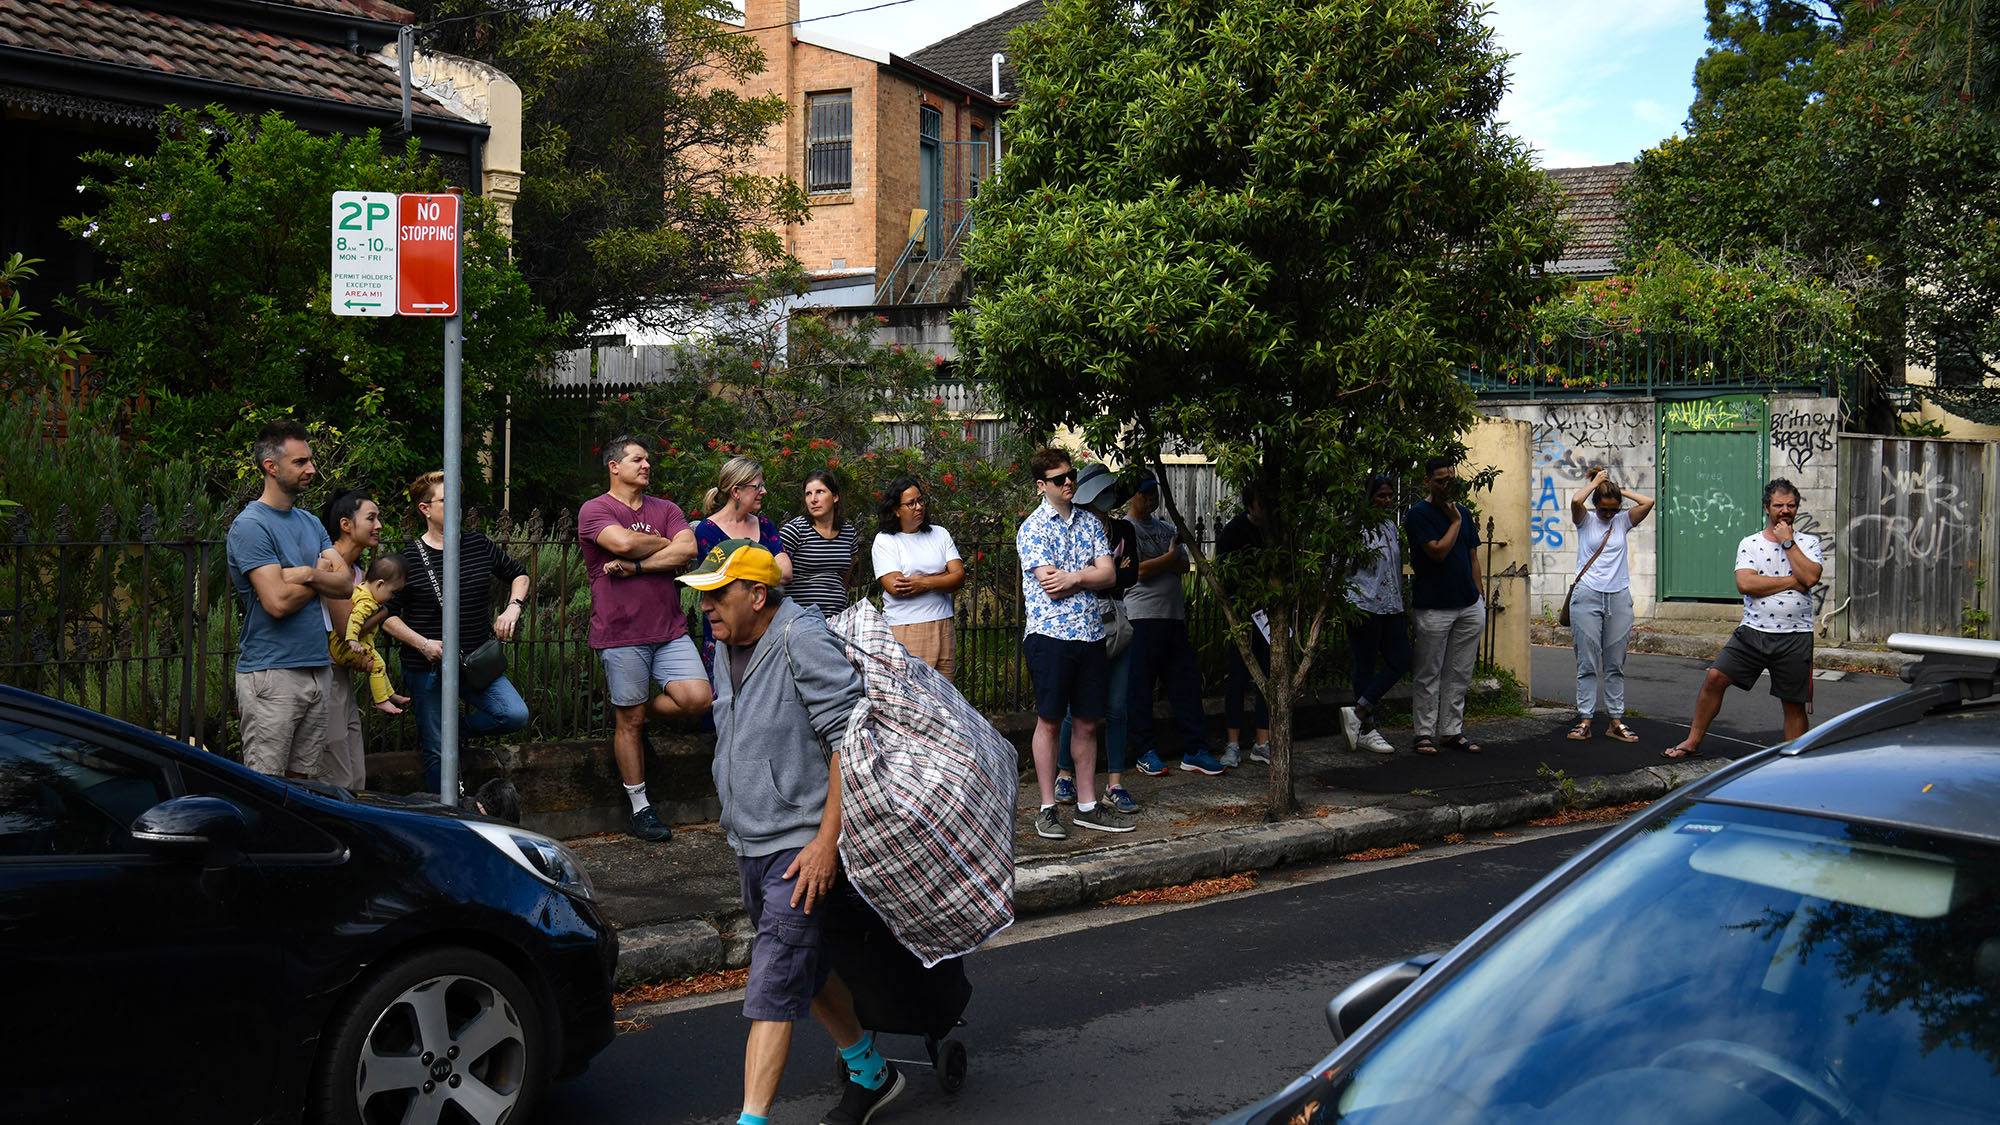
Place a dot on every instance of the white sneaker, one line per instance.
(1350, 725)
(1231, 756)
(1261, 753)
(1372, 740)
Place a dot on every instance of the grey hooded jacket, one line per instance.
(774, 736)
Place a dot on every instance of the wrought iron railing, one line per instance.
(1648, 364)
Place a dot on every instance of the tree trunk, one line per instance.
(1281, 692)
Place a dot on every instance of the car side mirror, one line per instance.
(208, 830)
(1358, 1002)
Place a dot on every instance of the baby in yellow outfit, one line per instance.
(356, 650)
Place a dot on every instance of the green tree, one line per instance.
(1268, 230)
(799, 393)
(216, 318)
(636, 146)
(1833, 132)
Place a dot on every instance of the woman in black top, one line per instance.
(822, 545)
(417, 621)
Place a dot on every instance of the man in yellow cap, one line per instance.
(783, 692)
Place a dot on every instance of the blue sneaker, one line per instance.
(1151, 765)
(1065, 791)
(1201, 761)
(1119, 800)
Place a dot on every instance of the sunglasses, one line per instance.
(1061, 478)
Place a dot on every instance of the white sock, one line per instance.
(637, 795)
(1046, 808)
(1083, 807)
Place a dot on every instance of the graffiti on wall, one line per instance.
(1802, 435)
(1714, 414)
(1568, 441)
(1930, 523)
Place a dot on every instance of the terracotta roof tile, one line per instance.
(119, 35)
(1591, 202)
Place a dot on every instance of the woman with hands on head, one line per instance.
(1600, 611)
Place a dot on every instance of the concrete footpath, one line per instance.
(679, 911)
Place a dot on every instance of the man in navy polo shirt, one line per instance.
(1447, 610)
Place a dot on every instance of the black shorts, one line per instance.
(1788, 656)
(1071, 677)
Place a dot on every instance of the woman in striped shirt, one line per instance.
(822, 544)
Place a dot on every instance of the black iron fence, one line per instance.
(141, 623)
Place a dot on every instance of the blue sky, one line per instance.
(1594, 81)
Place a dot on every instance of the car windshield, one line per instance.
(1727, 965)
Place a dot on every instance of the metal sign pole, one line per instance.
(454, 475)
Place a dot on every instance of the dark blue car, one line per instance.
(1808, 935)
(182, 939)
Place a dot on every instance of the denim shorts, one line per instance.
(787, 966)
(1071, 677)
(632, 673)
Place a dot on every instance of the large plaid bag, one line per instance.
(927, 799)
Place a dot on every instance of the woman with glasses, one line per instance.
(919, 568)
(1600, 610)
(735, 511)
(417, 621)
(822, 545)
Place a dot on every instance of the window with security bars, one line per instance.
(830, 141)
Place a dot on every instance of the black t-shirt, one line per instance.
(481, 563)
(1447, 584)
(1124, 556)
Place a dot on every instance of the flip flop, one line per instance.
(1680, 753)
(1424, 745)
(1460, 742)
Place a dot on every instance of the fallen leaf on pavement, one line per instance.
(1573, 816)
(1367, 854)
(1187, 892)
(698, 985)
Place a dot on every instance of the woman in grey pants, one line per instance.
(1600, 612)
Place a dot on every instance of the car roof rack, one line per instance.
(1953, 670)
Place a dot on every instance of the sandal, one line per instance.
(1581, 730)
(1460, 742)
(1620, 731)
(1424, 745)
(1680, 753)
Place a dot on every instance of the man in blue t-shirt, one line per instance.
(281, 564)
(1447, 610)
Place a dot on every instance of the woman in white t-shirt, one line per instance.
(1600, 612)
(919, 568)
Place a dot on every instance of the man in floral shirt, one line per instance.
(1065, 556)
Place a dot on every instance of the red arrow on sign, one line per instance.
(427, 255)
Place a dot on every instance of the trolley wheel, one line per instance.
(951, 1066)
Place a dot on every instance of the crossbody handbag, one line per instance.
(479, 668)
(1563, 617)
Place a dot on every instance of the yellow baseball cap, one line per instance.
(734, 559)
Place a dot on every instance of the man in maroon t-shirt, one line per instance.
(633, 545)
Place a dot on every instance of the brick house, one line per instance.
(890, 152)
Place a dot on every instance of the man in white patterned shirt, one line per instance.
(1064, 557)
(1776, 570)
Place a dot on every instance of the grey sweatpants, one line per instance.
(1447, 643)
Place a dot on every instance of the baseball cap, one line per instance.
(734, 559)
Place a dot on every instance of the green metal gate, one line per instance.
(1714, 456)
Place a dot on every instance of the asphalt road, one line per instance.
(1152, 1014)
(1664, 687)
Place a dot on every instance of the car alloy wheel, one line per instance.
(449, 1036)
